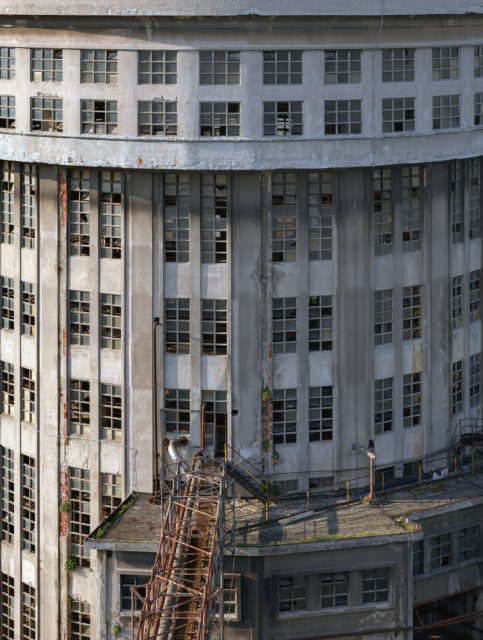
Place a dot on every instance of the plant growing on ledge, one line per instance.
(71, 563)
(116, 629)
(275, 456)
(266, 395)
(266, 445)
(64, 507)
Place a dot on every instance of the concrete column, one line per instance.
(196, 384)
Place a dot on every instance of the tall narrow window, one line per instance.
(412, 220)
(111, 412)
(111, 493)
(292, 594)
(8, 495)
(28, 504)
(284, 325)
(321, 215)
(7, 63)
(28, 395)
(80, 519)
(456, 200)
(8, 303)
(79, 212)
(7, 619)
(418, 557)
(7, 112)
(80, 620)
(334, 590)
(440, 551)
(457, 386)
(321, 323)
(216, 420)
(375, 585)
(214, 213)
(468, 543)
(478, 65)
(111, 214)
(475, 377)
(321, 425)
(29, 205)
(383, 216)
(28, 308)
(79, 317)
(177, 410)
(284, 416)
(8, 389)
(79, 407)
(7, 199)
(176, 217)
(177, 325)
(111, 321)
(412, 317)
(457, 302)
(412, 399)
(28, 612)
(284, 217)
(383, 390)
(475, 294)
(475, 195)
(214, 327)
(383, 316)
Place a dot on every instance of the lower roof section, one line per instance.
(240, 154)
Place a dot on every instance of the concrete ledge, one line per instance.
(241, 154)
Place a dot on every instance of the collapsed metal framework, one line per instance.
(184, 597)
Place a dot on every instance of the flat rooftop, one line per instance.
(136, 524)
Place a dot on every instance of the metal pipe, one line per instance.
(155, 406)
(176, 457)
(203, 426)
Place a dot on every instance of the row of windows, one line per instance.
(27, 389)
(281, 118)
(444, 550)
(329, 590)
(110, 406)
(341, 66)
(178, 327)
(28, 494)
(7, 607)
(80, 319)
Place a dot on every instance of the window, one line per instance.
(440, 551)
(7, 112)
(28, 395)
(111, 212)
(79, 212)
(457, 302)
(284, 316)
(219, 118)
(215, 419)
(8, 496)
(177, 325)
(28, 612)
(80, 520)
(7, 618)
(29, 205)
(321, 323)
(79, 407)
(98, 65)
(412, 399)
(282, 118)
(47, 114)
(284, 416)
(99, 116)
(475, 368)
(284, 217)
(343, 117)
(446, 63)
(219, 67)
(412, 469)
(411, 213)
(80, 620)
(292, 594)
(128, 581)
(157, 67)
(7, 200)
(397, 65)
(79, 317)
(111, 412)
(383, 316)
(321, 215)
(334, 590)
(456, 200)
(375, 585)
(8, 304)
(320, 413)
(479, 61)
(383, 216)
(397, 115)
(110, 321)
(282, 67)
(321, 482)
(446, 112)
(8, 389)
(7, 63)
(383, 390)
(478, 109)
(475, 293)
(418, 557)
(111, 493)
(46, 65)
(475, 222)
(468, 543)
(214, 327)
(231, 597)
(342, 66)
(457, 386)
(157, 118)
(176, 217)
(28, 504)
(412, 316)
(177, 410)
(214, 214)
(28, 308)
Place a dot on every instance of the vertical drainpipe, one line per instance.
(155, 409)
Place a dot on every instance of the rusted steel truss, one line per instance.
(184, 597)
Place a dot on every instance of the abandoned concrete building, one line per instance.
(270, 214)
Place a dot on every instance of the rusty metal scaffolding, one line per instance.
(184, 597)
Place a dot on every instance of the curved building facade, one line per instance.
(295, 194)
